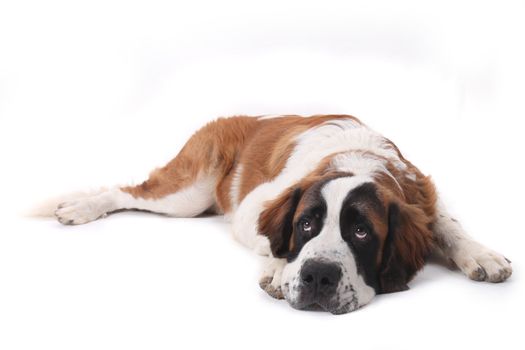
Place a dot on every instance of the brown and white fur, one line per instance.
(336, 208)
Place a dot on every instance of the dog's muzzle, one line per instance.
(318, 283)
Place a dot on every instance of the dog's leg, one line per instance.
(189, 201)
(270, 280)
(185, 187)
(473, 259)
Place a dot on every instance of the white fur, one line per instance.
(188, 202)
(359, 163)
(329, 246)
(363, 164)
(411, 176)
(235, 187)
(270, 116)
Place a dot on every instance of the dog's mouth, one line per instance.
(338, 310)
(333, 306)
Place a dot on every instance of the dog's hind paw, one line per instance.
(79, 212)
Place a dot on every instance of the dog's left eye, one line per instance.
(360, 232)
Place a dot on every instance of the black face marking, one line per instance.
(354, 224)
(309, 224)
(310, 221)
(366, 194)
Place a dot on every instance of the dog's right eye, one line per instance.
(305, 225)
(308, 226)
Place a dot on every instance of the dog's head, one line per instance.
(345, 238)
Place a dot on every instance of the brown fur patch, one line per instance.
(276, 221)
(211, 151)
(416, 239)
(416, 202)
(267, 153)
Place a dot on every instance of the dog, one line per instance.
(337, 210)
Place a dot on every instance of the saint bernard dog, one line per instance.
(339, 212)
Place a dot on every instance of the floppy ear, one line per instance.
(276, 221)
(405, 249)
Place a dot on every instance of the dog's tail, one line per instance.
(46, 208)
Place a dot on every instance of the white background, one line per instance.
(100, 92)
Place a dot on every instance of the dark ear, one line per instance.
(276, 221)
(407, 244)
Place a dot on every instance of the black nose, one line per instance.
(320, 278)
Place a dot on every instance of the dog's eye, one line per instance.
(360, 232)
(305, 225)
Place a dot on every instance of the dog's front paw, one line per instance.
(79, 212)
(482, 264)
(270, 280)
(266, 284)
